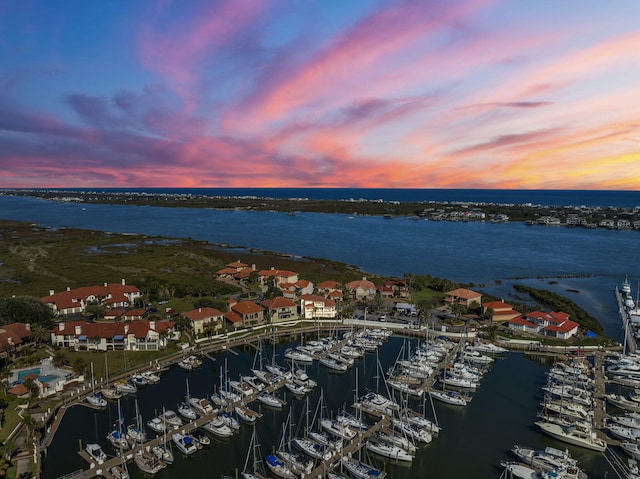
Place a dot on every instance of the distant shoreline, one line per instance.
(612, 218)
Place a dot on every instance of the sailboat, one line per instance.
(184, 408)
(116, 437)
(163, 451)
(95, 398)
(109, 392)
(254, 471)
(135, 433)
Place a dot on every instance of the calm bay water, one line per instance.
(472, 443)
(586, 264)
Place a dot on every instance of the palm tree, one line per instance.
(59, 359)
(40, 333)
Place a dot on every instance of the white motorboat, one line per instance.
(623, 433)
(338, 429)
(151, 377)
(573, 435)
(518, 470)
(246, 414)
(475, 356)
(218, 428)
(379, 403)
(96, 453)
(157, 425)
(171, 418)
(548, 459)
(96, 399)
(200, 437)
(185, 443)
(390, 451)
(243, 389)
(334, 365)
(296, 389)
(270, 400)
(139, 380)
(630, 402)
(488, 348)
(201, 406)
(632, 449)
(449, 397)
(186, 411)
(125, 387)
(298, 356)
(459, 382)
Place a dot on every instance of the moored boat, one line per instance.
(96, 453)
(185, 443)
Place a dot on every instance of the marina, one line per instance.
(379, 407)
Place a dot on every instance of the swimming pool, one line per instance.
(26, 372)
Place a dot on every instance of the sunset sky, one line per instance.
(540, 94)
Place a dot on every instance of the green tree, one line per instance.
(32, 387)
(25, 309)
(79, 366)
(40, 334)
(59, 359)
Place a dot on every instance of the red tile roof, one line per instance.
(328, 285)
(233, 317)
(463, 293)
(246, 307)
(18, 390)
(361, 283)
(202, 313)
(496, 305)
(565, 327)
(306, 298)
(108, 330)
(522, 321)
(16, 333)
(278, 302)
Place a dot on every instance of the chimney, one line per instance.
(51, 292)
(152, 325)
(123, 282)
(27, 326)
(126, 329)
(68, 288)
(105, 285)
(272, 268)
(78, 329)
(199, 310)
(253, 267)
(61, 326)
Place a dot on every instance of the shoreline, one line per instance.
(612, 218)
